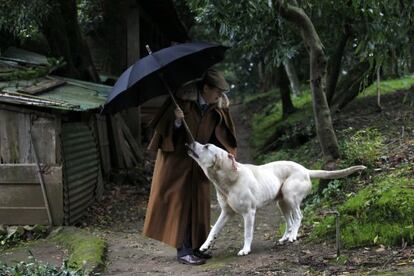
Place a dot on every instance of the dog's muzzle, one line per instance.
(191, 151)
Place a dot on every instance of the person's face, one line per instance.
(211, 94)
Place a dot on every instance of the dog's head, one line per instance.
(211, 156)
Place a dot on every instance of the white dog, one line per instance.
(242, 188)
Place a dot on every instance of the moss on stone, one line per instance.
(219, 262)
(86, 250)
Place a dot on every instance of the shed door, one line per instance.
(81, 169)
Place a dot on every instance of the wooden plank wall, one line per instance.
(15, 147)
(21, 199)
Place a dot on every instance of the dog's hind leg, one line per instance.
(303, 189)
(248, 232)
(296, 218)
(294, 191)
(221, 221)
(287, 214)
(297, 221)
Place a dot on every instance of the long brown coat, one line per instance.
(179, 187)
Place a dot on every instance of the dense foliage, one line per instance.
(22, 17)
(379, 33)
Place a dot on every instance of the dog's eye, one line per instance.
(206, 146)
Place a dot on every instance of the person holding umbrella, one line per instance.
(178, 211)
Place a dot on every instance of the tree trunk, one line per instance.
(260, 75)
(412, 60)
(268, 82)
(395, 72)
(293, 77)
(355, 81)
(379, 107)
(283, 83)
(63, 34)
(335, 64)
(324, 129)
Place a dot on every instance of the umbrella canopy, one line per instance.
(161, 71)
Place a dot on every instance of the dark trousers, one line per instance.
(186, 247)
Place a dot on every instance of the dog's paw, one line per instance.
(243, 252)
(283, 240)
(204, 247)
(292, 239)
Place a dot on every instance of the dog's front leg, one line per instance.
(221, 221)
(248, 232)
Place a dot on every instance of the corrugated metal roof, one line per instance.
(73, 95)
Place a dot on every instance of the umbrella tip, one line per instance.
(148, 49)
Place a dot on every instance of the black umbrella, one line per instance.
(161, 73)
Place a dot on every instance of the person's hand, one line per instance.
(179, 114)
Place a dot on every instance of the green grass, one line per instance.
(388, 86)
(381, 213)
(300, 155)
(264, 124)
(272, 94)
(373, 211)
(361, 147)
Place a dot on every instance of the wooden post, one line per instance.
(133, 115)
(42, 184)
(379, 107)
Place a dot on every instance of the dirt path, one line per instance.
(120, 220)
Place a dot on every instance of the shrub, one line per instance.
(12, 235)
(35, 267)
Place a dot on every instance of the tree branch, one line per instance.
(299, 17)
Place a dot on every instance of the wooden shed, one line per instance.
(51, 132)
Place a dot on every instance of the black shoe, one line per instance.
(191, 260)
(202, 255)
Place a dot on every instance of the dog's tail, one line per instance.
(335, 174)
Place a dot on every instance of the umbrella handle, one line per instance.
(177, 106)
(172, 97)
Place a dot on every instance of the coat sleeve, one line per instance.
(225, 132)
(164, 130)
